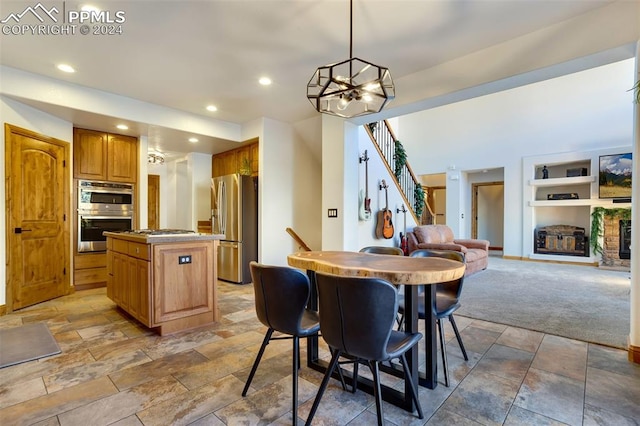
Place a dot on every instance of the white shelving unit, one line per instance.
(541, 210)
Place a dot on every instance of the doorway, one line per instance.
(37, 202)
(153, 201)
(488, 213)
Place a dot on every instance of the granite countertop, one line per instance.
(155, 236)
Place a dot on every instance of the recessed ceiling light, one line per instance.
(212, 108)
(193, 140)
(265, 81)
(66, 68)
(122, 127)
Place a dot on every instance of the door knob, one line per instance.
(20, 230)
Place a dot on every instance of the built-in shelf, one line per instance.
(567, 181)
(563, 258)
(570, 175)
(561, 203)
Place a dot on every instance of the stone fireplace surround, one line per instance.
(611, 244)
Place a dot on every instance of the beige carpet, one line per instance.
(26, 343)
(579, 302)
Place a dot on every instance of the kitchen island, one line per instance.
(166, 279)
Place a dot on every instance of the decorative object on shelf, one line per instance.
(245, 167)
(565, 196)
(614, 178)
(364, 212)
(561, 239)
(597, 226)
(418, 195)
(577, 171)
(400, 158)
(350, 88)
(155, 158)
(545, 172)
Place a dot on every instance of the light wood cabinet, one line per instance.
(104, 156)
(154, 284)
(236, 161)
(89, 270)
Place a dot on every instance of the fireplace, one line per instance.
(616, 242)
(624, 251)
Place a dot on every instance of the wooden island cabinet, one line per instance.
(167, 282)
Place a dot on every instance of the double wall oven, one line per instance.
(102, 206)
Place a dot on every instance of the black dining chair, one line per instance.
(281, 295)
(447, 302)
(357, 316)
(382, 250)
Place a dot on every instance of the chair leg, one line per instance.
(455, 329)
(373, 365)
(400, 320)
(323, 385)
(296, 364)
(443, 345)
(355, 376)
(265, 342)
(414, 389)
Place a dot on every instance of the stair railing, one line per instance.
(301, 244)
(384, 140)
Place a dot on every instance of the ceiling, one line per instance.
(188, 54)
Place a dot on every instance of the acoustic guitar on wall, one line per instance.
(384, 228)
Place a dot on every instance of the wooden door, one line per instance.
(37, 217)
(153, 201)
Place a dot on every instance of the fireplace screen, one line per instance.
(561, 239)
(624, 251)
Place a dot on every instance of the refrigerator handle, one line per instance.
(222, 206)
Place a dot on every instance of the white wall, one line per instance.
(583, 111)
(200, 187)
(289, 193)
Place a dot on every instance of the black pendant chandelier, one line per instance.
(350, 88)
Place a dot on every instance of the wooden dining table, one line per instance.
(399, 270)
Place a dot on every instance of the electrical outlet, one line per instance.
(182, 260)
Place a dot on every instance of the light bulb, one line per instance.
(342, 103)
(367, 97)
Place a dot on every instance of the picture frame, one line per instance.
(614, 177)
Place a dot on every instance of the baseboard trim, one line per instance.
(634, 354)
(3, 310)
(527, 259)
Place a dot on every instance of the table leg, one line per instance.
(430, 380)
(312, 342)
(411, 326)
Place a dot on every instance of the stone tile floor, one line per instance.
(113, 371)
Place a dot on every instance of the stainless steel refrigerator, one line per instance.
(234, 201)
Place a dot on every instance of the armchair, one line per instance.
(440, 237)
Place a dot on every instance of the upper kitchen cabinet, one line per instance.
(104, 156)
(243, 160)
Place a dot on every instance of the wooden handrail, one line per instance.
(298, 239)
